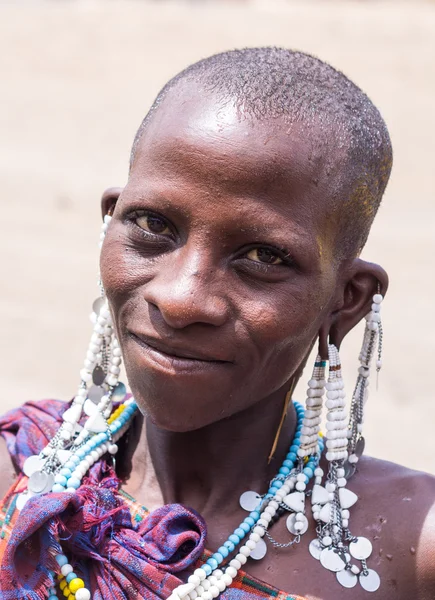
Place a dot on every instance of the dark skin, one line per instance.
(219, 268)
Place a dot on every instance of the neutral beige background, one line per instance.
(76, 79)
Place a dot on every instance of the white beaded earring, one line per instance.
(98, 388)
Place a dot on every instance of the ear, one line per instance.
(359, 282)
(109, 199)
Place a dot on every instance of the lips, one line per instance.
(175, 352)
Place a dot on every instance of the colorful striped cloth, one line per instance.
(122, 551)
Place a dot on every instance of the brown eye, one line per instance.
(265, 255)
(153, 224)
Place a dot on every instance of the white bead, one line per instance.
(241, 558)
(65, 435)
(115, 370)
(116, 352)
(265, 516)
(236, 564)
(377, 298)
(251, 544)
(259, 530)
(263, 523)
(331, 487)
(353, 458)
(113, 449)
(212, 579)
(318, 472)
(327, 540)
(214, 591)
(341, 482)
(194, 579)
(345, 523)
(273, 504)
(206, 595)
(200, 590)
(66, 570)
(206, 584)
(316, 515)
(218, 573)
(300, 486)
(83, 594)
(227, 579)
(341, 472)
(355, 570)
(85, 375)
(254, 537)
(270, 510)
(116, 361)
(231, 571)
(331, 497)
(193, 595)
(298, 526)
(111, 379)
(245, 550)
(345, 513)
(94, 455)
(221, 585)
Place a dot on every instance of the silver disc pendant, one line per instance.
(347, 579)
(97, 305)
(95, 393)
(291, 521)
(360, 446)
(40, 482)
(349, 469)
(32, 464)
(119, 392)
(370, 582)
(331, 560)
(315, 549)
(250, 501)
(22, 499)
(259, 551)
(361, 548)
(98, 375)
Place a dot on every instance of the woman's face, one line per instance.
(218, 261)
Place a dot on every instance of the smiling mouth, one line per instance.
(182, 356)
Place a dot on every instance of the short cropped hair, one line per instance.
(273, 83)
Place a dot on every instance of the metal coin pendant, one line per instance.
(98, 375)
(32, 464)
(259, 551)
(95, 393)
(119, 392)
(97, 305)
(359, 448)
(331, 560)
(22, 499)
(361, 548)
(349, 469)
(370, 582)
(40, 482)
(315, 549)
(290, 523)
(347, 579)
(250, 501)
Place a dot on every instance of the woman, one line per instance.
(232, 250)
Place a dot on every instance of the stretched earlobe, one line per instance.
(361, 281)
(109, 200)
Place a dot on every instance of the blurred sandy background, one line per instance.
(77, 77)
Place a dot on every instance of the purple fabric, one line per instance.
(116, 558)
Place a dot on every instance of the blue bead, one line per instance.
(70, 465)
(230, 545)
(81, 453)
(294, 448)
(308, 472)
(65, 472)
(278, 484)
(57, 488)
(70, 577)
(287, 463)
(255, 515)
(60, 479)
(244, 527)
(273, 490)
(249, 521)
(297, 437)
(207, 568)
(61, 559)
(75, 460)
(284, 471)
(53, 598)
(239, 532)
(218, 557)
(74, 482)
(213, 563)
(223, 551)
(292, 456)
(234, 538)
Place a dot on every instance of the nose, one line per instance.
(186, 290)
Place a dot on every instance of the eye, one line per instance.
(153, 224)
(266, 256)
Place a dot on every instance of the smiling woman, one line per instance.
(232, 251)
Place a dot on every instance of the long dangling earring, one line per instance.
(98, 387)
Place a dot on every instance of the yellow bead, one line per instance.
(60, 576)
(66, 592)
(76, 584)
(62, 584)
(71, 597)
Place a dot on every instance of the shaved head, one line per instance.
(347, 134)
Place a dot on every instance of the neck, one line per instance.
(210, 467)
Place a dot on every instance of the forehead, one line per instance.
(211, 146)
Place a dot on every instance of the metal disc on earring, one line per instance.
(250, 501)
(370, 581)
(119, 392)
(331, 560)
(347, 579)
(95, 393)
(349, 469)
(259, 551)
(315, 549)
(359, 448)
(291, 521)
(22, 499)
(40, 482)
(98, 375)
(360, 548)
(97, 305)
(32, 464)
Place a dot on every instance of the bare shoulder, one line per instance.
(7, 470)
(399, 516)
